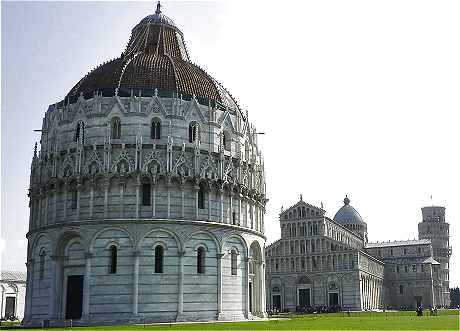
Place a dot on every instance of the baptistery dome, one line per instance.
(147, 195)
(155, 58)
(351, 219)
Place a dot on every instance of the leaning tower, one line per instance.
(435, 228)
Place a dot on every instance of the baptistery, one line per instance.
(147, 195)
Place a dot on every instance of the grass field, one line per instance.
(446, 320)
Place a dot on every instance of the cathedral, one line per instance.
(147, 195)
(327, 263)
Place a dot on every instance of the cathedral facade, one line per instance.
(147, 196)
(323, 262)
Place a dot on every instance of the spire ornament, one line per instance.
(158, 10)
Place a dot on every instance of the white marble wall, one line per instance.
(179, 293)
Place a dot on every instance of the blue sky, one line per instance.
(356, 97)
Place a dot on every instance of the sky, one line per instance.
(355, 97)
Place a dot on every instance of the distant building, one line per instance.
(328, 262)
(13, 288)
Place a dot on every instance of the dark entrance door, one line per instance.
(277, 302)
(333, 299)
(74, 300)
(250, 297)
(10, 306)
(304, 297)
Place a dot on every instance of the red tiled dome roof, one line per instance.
(155, 58)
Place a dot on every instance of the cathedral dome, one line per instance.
(155, 59)
(347, 214)
(349, 217)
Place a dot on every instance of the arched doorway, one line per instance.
(304, 295)
(69, 278)
(256, 281)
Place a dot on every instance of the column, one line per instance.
(221, 193)
(231, 221)
(240, 221)
(255, 216)
(368, 294)
(78, 201)
(262, 289)
(122, 193)
(371, 293)
(66, 188)
(197, 188)
(246, 213)
(106, 198)
(341, 292)
(182, 201)
(46, 208)
(91, 201)
(180, 301)
(137, 198)
(248, 309)
(365, 292)
(378, 294)
(40, 210)
(219, 284)
(209, 204)
(169, 200)
(87, 286)
(154, 191)
(136, 282)
(262, 219)
(375, 294)
(29, 290)
(53, 286)
(55, 193)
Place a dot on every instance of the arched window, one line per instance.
(113, 259)
(159, 253)
(115, 128)
(200, 255)
(155, 129)
(146, 194)
(80, 132)
(234, 262)
(193, 132)
(227, 141)
(201, 196)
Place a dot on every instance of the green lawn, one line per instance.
(446, 320)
